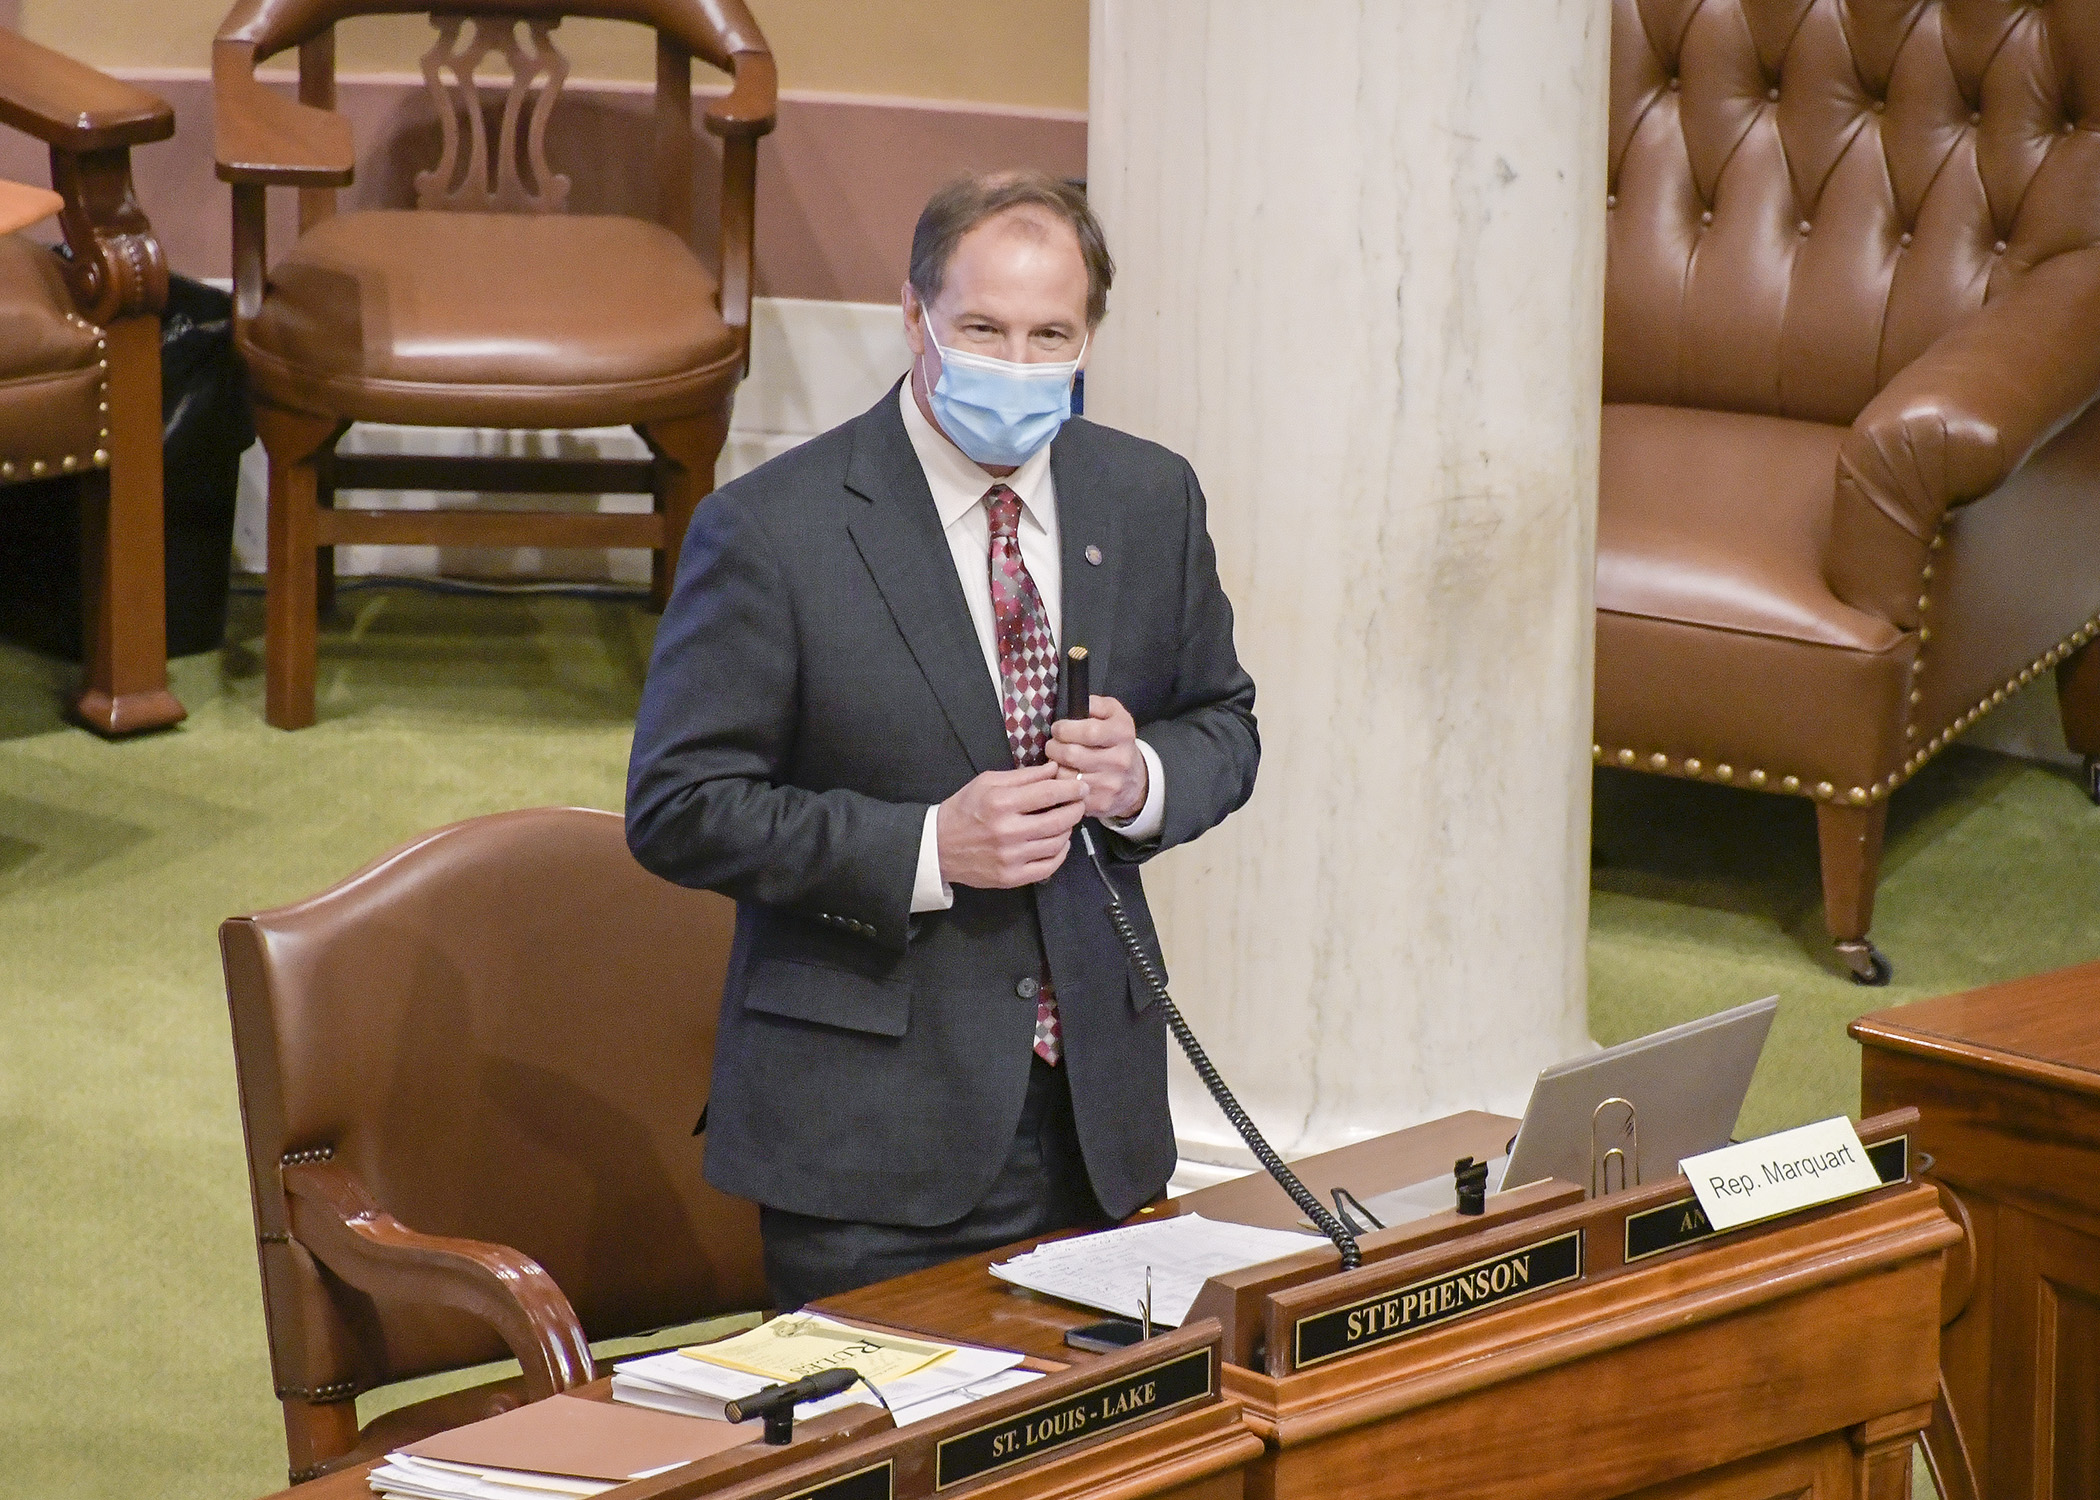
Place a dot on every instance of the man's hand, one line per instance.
(1102, 749)
(1009, 828)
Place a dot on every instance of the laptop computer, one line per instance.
(1686, 1084)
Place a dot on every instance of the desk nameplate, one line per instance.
(1682, 1221)
(1434, 1300)
(875, 1482)
(1074, 1416)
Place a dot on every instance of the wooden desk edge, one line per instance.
(1977, 1056)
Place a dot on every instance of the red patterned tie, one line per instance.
(1028, 686)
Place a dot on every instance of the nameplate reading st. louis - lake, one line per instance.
(1070, 1419)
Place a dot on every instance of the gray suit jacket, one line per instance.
(816, 685)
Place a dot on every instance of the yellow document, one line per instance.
(803, 1343)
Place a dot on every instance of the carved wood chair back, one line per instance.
(504, 167)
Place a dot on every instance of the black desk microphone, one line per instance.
(1077, 706)
(777, 1403)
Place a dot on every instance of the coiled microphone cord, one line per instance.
(1324, 1221)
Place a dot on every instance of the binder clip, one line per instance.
(1629, 1160)
(1471, 1179)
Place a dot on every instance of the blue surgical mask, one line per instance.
(997, 411)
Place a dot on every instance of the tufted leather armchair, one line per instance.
(80, 363)
(1850, 487)
(468, 1076)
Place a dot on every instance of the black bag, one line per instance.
(205, 427)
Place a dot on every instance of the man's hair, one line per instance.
(967, 202)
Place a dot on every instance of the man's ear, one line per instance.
(914, 329)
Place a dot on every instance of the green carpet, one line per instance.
(132, 1359)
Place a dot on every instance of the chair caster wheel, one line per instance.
(1865, 963)
(2092, 779)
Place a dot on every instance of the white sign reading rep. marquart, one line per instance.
(1779, 1173)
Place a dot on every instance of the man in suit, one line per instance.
(931, 1041)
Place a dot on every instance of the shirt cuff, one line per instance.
(1152, 817)
(928, 891)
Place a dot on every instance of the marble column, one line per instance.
(1360, 254)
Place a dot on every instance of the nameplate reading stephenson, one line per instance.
(875, 1482)
(1073, 1418)
(1439, 1299)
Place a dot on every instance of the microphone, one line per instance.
(777, 1403)
(1077, 706)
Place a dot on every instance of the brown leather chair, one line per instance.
(80, 365)
(469, 1076)
(486, 305)
(1851, 465)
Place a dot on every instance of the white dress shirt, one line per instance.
(959, 486)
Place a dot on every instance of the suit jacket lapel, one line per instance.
(898, 532)
(1088, 515)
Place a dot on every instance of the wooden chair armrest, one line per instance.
(22, 205)
(750, 107)
(334, 1216)
(263, 138)
(71, 106)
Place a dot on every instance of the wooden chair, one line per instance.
(486, 305)
(469, 1076)
(80, 364)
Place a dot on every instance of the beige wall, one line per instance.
(1028, 53)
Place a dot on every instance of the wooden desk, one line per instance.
(1798, 1358)
(1196, 1447)
(2006, 1081)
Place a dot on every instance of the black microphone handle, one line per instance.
(817, 1387)
(1078, 693)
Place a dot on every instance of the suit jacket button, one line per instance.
(1027, 987)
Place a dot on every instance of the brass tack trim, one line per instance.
(101, 458)
(342, 1390)
(309, 1154)
(1790, 784)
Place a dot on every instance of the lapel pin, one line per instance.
(1093, 554)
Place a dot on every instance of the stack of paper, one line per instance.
(917, 1379)
(1108, 1270)
(563, 1446)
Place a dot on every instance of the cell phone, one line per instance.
(1109, 1336)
